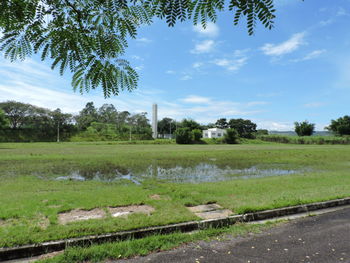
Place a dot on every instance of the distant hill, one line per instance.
(292, 133)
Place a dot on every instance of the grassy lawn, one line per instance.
(31, 198)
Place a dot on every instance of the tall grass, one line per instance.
(306, 139)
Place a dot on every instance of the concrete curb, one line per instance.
(47, 247)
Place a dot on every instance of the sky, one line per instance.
(299, 70)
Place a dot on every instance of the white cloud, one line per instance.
(231, 65)
(170, 71)
(286, 47)
(326, 22)
(197, 64)
(314, 104)
(139, 68)
(241, 52)
(312, 55)
(206, 46)
(274, 125)
(233, 62)
(211, 30)
(342, 12)
(137, 57)
(186, 77)
(196, 99)
(144, 40)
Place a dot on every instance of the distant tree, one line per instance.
(16, 112)
(139, 121)
(209, 125)
(196, 135)
(262, 132)
(122, 119)
(341, 126)
(231, 136)
(183, 136)
(107, 113)
(3, 120)
(87, 116)
(166, 126)
(63, 122)
(304, 128)
(221, 123)
(191, 124)
(245, 128)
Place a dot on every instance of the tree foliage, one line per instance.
(3, 120)
(340, 126)
(245, 128)
(197, 135)
(89, 38)
(221, 123)
(31, 123)
(191, 124)
(304, 128)
(166, 126)
(231, 136)
(183, 136)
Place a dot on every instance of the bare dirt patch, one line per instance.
(132, 209)
(78, 215)
(43, 222)
(2, 223)
(159, 197)
(155, 197)
(210, 211)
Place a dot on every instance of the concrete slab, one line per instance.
(79, 215)
(132, 209)
(210, 211)
(204, 208)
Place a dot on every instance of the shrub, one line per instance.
(304, 128)
(196, 135)
(231, 136)
(183, 136)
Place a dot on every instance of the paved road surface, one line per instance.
(319, 239)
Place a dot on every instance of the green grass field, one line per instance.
(31, 198)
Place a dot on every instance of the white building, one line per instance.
(214, 133)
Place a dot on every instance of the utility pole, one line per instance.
(130, 133)
(170, 131)
(58, 131)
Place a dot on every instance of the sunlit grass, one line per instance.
(30, 200)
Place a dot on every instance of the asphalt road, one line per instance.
(319, 239)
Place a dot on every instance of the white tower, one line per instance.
(154, 121)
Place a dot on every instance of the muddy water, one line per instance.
(202, 172)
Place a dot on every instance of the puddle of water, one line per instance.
(98, 176)
(203, 172)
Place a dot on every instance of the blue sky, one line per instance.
(300, 70)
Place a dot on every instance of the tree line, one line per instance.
(26, 122)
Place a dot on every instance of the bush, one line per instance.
(196, 135)
(340, 126)
(183, 136)
(231, 136)
(304, 128)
